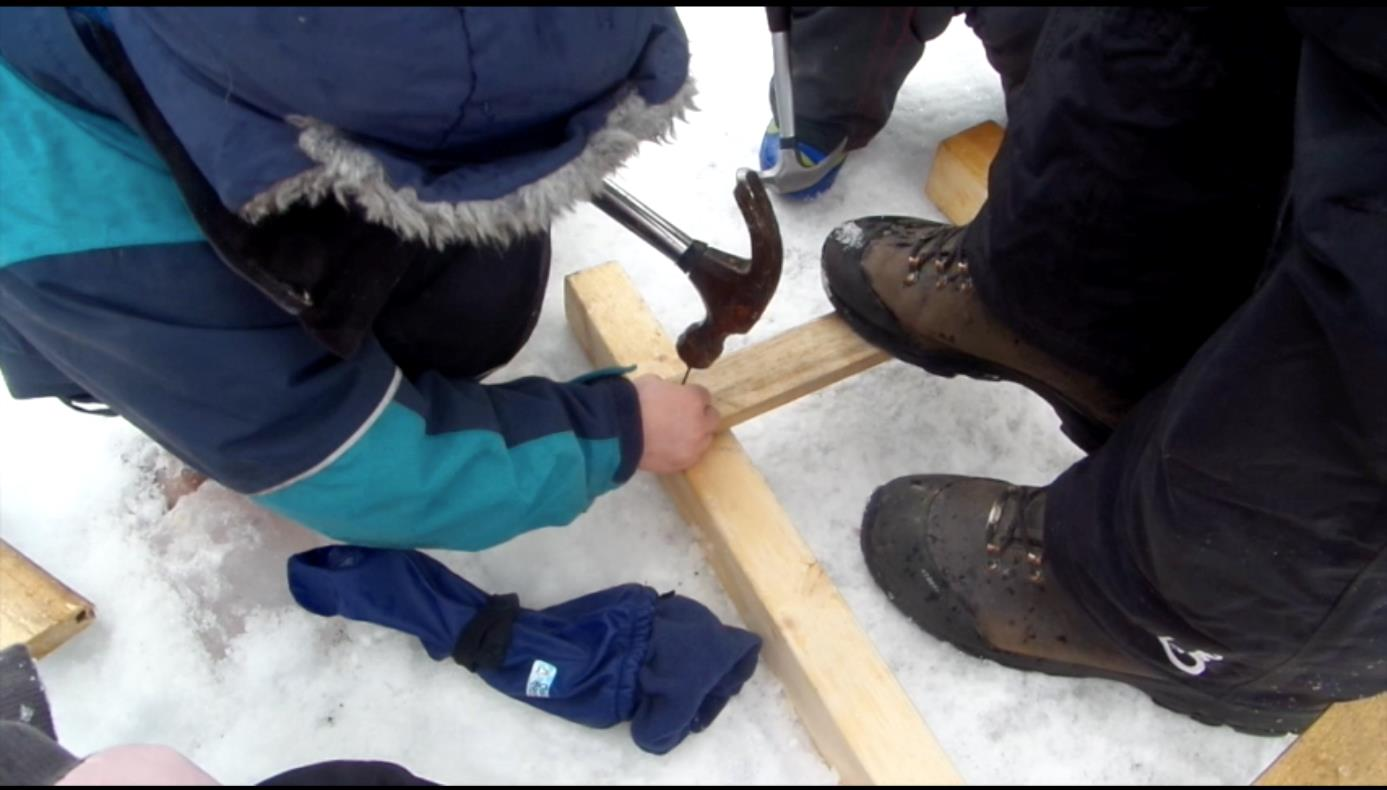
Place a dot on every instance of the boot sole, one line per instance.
(1170, 695)
(1086, 432)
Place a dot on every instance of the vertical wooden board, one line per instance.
(957, 182)
(853, 707)
(35, 608)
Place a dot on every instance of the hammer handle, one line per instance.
(779, 18)
(637, 217)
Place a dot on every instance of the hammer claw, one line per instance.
(735, 290)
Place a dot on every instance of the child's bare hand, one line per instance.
(679, 422)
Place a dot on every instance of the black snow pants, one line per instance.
(1192, 205)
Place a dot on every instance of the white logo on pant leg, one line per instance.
(1190, 663)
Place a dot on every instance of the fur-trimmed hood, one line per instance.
(322, 152)
(443, 124)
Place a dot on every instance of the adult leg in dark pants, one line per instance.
(1149, 230)
(848, 63)
(1242, 508)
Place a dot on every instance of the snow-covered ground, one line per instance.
(198, 645)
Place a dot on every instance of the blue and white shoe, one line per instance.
(809, 157)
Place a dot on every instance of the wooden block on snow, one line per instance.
(1347, 746)
(958, 180)
(853, 707)
(35, 608)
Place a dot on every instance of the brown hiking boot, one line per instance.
(903, 285)
(964, 558)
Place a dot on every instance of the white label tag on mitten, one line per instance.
(542, 675)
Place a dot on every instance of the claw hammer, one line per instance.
(790, 174)
(735, 290)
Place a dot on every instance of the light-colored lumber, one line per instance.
(1347, 746)
(957, 182)
(853, 707)
(770, 374)
(35, 608)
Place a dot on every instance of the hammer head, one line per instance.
(735, 290)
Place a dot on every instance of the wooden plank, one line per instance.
(1347, 746)
(853, 707)
(958, 180)
(35, 608)
(790, 365)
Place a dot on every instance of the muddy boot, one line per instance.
(964, 558)
(903, 285)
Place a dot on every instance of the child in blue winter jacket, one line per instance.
(287, 243)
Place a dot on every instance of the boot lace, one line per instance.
(1008, 526)
(942, 249)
